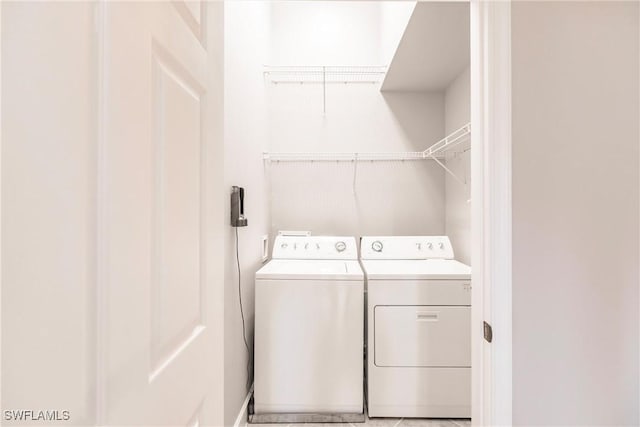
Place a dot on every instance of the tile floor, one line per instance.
(382, 422)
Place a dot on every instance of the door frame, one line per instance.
(491, 243)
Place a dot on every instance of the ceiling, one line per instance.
(433, 50)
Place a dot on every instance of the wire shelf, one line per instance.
(434, 152)
(345, 157)
(325, 73)
(450, 141)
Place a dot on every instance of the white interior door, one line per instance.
(159, 214)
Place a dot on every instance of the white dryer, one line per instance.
(418, 328)
(309, 328)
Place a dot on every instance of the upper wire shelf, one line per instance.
(325, 73)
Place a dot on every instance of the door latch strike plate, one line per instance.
(488, 332)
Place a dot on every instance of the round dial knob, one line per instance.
(377, 246)
(430, 245)
(441, 245)
(284, 246)
(341, 246)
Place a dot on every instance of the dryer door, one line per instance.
(422, 336)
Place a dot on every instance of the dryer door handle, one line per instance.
(427, 316)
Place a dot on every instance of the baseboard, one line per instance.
(243, 415)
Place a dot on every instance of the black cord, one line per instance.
(244, 333)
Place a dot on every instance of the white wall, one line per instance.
(48, 214)
(575, 213)
(394, 17)
(325, 33)
(246, 48)
(457, 103)
(392, 198)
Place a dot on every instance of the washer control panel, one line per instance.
(315, 247)
(406, 247)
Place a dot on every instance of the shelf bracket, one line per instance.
(449, 171)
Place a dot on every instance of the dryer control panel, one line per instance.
(315, 247)
(406, 247)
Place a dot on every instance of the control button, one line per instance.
(430, 246)
(377, 246)
(295, 246)
(284, 246)
(306, 246)
(441, 245)
(318, 246)
(419, 246)
(341, 246)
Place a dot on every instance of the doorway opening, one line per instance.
(377, 115)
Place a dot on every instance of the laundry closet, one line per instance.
(341, 119)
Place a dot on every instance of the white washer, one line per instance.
(418, 328)
(309, 328)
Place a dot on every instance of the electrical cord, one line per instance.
(244, 329)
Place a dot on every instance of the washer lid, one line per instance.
(433, 269)
(288, 269)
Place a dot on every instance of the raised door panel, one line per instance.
(193, 12)
(177, 289)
